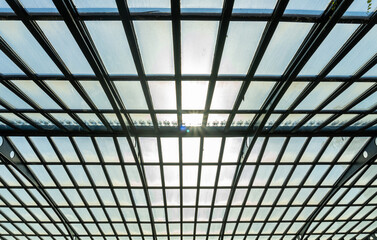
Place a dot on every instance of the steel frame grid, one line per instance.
(176, 16)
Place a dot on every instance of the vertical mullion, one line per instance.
(198, 185)
(219, 47)
(163, 187)
(176, 27)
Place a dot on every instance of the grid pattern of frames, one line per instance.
(181, 120)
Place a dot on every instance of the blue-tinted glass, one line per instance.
(306, 7)
(97, 94)
(132, 94)
(7, 66)
(66, 149)
(114, 51)
(348, 95)
(67, 121)
(62, 40)
(156, 60)
(315, 122)
(103, 6)
(4, 7)
(149, 5)
(372, 72)
(25, 45)
(360, 54)
(17, 121)
(41, 121)
(361, 8)
(362, 122)
(198, 46)
(92, 121)
(36, 94)
(254, 6)
(333, 42)
(209, 6)
(339, 122)
(68, 94)
(39, 6)
(367, 103)
(12, 99)
(285, 42)
(45, 148)
(241, 43)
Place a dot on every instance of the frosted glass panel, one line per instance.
(255, 95)
(163, 94)
(114, 51)
(198, 45)
(150, 34)
(194, 94)
(225, 94)
(24, 44)
(241, 43)
(285, 42)
(132, 94)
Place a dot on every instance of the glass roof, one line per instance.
(188, 120)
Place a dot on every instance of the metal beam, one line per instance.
(366, 156)
(10, 156)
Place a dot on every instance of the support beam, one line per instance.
(9, 155)
(367, 155)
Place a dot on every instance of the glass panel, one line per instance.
(306, 7)
(171, 176)
(8, 67)
(256, 6)
(318, 95)
(16, 121)
(148, 5)
(149, 149)
(190, 149)
(141, 120)
(92, 121)
(96, 94)
(41, 121)
(232, 149)
(348, 95)
(211, 149)
(242, 120)
(273, 149)
(198, 45)
(262, 175)
(192, 119)
(329, 47)
(217, 120)
(316, 121)
(115, 51)
(294, 90)
(156, 60)
(163, 94)
(190, 175)
(132, 94)
(290, 122)
(358, 56)
(87, 149)
(170, 150)
(362, 122)
(65, 120)
(281, 174)
(39, 6)
(208, 176)
(225, 94)
(4, 7)
(372, 72)
(241, 43)
(313, 148)
(12, 99)
(339, 122)
(68, 94)
(286, 41)
(167, 120)
(66, 149)
(36, 94)
(212, 6)
(25, 45)
(194, 94)
(153, 176)
(45, 148)
(333, 149)
(255, 95)
(96, 6)
(226, 175)
(367, 103)
(63, 42)
(361, 8)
